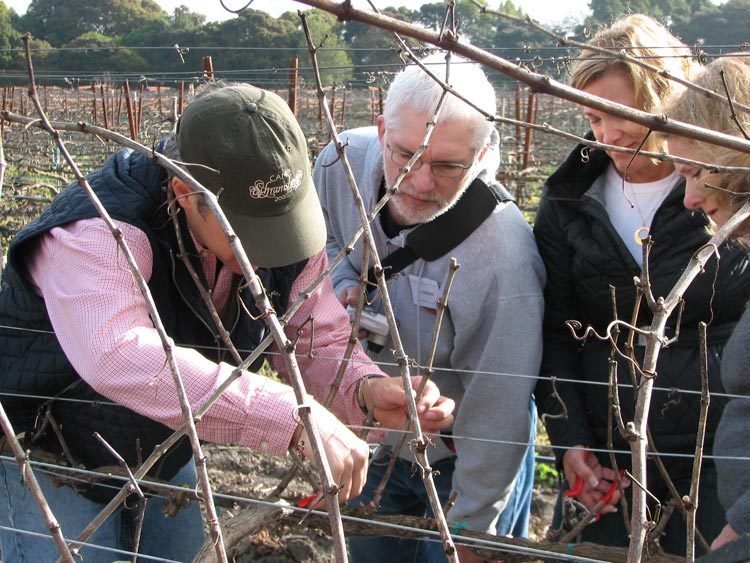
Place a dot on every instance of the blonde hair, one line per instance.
(729, 75)
(641, 37)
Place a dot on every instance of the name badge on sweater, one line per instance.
(424, 292)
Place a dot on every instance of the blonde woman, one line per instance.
(729, 76)
(595, 212)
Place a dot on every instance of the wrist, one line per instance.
(299, 431)
(364, 395)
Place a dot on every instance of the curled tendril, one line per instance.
(181, 51)
(244, 306)
(575, 326)
(562, 64)
(555, 395)
(585, 156)
(172, 208)
(698, 53)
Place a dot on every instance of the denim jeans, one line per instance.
(174, 539)
(406, 494)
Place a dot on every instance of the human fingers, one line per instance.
(612, 496)
(348, 295)
(346, 454)
(384, 391)
(431, 405)
(581, 478)
(608, 509)
(439, 416)
(429, 394)
(604, 473)
(590, 498)
(726, 535)
(387, 399)
(605, 476)
(608, 500)
(595, 500)
(610, 479)
(359, 471)
(347, 457)
(576, 464)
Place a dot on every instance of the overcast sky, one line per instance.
(544, 11)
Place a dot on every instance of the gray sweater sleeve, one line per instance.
(731, 441)
(339, 209)
(496, 309)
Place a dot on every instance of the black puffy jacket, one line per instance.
(584, 256)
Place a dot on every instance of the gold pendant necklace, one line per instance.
(641, 234)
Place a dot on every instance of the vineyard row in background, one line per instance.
(35, 170)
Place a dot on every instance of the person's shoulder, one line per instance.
(502, 237)
(505, 240)
(357, 143)
(360, 136)
(507, 219)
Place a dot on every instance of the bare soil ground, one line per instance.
(239, 472)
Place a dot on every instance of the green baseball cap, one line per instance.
(244, 144)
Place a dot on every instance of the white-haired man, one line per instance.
(448, 205)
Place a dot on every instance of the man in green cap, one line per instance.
(76, 335)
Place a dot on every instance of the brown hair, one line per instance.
(728, 75)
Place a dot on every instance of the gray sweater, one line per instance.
(731, 435)
(490, 344)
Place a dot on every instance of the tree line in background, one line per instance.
(89, 39)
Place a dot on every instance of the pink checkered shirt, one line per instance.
(103, 325)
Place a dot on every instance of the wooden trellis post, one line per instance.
(343, 110)
(105, 113)
(139, 114)
(94, 113)
(131, 116)
(181, 98)
(531, 102)
(208, 68)
(293, 78)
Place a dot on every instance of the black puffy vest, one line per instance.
(32, 363)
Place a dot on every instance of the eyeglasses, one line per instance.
(441, 169)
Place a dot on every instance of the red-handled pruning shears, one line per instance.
(612, 488)
(307, 501)
(578, 487)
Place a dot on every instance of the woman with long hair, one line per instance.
(719, 195)
(597, 209)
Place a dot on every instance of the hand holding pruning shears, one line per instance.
(591, 482)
